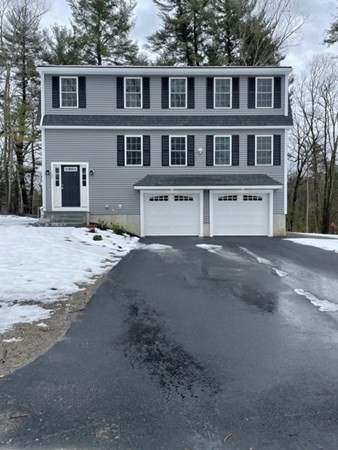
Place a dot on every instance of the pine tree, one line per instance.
(182, 38)
(102, 29)
(22, 45)
(61, 47)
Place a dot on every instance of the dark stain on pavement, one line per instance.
(165, 359)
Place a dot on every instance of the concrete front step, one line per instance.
(64, 219)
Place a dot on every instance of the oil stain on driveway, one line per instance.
(228, 343)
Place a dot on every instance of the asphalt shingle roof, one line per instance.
(165, 121)
(207, 180)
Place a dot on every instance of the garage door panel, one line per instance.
(175, 215)
(240, 215)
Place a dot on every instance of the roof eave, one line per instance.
(212, 187)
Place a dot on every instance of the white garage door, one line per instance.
(240, 214)
(172, 214)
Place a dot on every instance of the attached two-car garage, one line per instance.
(179, 206)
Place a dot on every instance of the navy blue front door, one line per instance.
(71, 186)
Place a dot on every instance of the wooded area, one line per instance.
(191, 32)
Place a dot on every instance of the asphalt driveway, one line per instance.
(229, 347)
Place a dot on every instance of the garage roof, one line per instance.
(206, 181)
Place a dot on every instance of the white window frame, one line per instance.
(125, 150)
(125, 92)
(186, 92)
(222, 165)
(256, 138)
(77, 92)
(186, 151)
(222, 107)
(272, 92)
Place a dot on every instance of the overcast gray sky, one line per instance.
(320, 13)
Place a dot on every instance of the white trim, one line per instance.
(186, 151)
(270, 214)
(266, 190)
(169, 191)
(125, 92)
(186, 93)
(43, 99)
(272, 92)
(286, 142)
(241, 189)
(77, 92)
(223, 107)
(188, 127)
(286, 94)
(165, 71)
(52, 178)
(125, 150)
(43, 168)
(264, 135)
(214, 156)
(211, 213)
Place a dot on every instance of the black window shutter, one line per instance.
(251, 92)
(277, 150)
(277, 93)
(191, 150)
(146, 150)
(146, 92)
(251, 150)
(210, 93)
(235, 150)
(235, 93)
(82, 93)
(191, 93)
(165, 150)
(165, 92)
(120, 150)
(119, 93)
(56, 92)
(209, 151)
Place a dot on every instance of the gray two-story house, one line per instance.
(167, 150)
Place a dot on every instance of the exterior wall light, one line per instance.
(91, 173)
(47, 172)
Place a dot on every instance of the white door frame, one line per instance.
(172, 191)
(242, 191)
(56, 192)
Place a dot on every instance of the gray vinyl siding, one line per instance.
(101, 99)
(111, 186)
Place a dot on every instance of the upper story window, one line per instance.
(133, 92)
(222, 149)
(264, 92)
(69, 92)
(133, 148)
(264, 149)
(178, 150)
(222, 92)
(177, 92)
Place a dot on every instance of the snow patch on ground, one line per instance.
(279, 272)
(256, 257)
(45, 264)
(11, 315)
(154, 247)
(324, 244)
(331, 236)
(12, 340)
(323, 305)
(210, 248)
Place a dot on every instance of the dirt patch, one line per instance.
(28, 341)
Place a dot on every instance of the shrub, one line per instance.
(102, 224)
(117, 228)
(97, 237)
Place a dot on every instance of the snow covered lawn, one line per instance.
(45, 264)
(323, 243)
